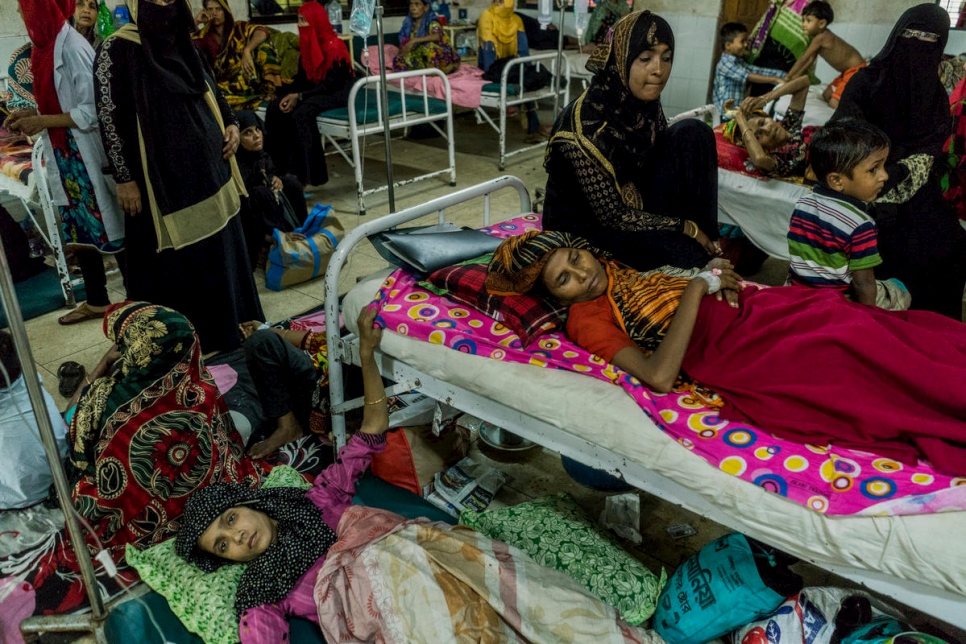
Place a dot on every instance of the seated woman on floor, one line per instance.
(149, 429)
(243, 64)
(777, 148)
(422, 42)
(804, 364)
(617, 174)
(323, 82)
(273, 201)
(307, 557)
(500, 34)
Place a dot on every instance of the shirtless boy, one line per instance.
(842, 56)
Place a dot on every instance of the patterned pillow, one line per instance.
(554, 531)
(527, 315)
(182, 583)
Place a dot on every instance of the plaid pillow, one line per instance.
(527, 315)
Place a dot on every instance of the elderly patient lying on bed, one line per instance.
(805, 364)
(312, 554)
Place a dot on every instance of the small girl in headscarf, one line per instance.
(283, 534)
(422, 42)
(274, 200)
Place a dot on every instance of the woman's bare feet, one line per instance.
(287, 430)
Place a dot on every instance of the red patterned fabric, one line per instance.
(151, 431)
(528, 316)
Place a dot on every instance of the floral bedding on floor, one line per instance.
(826, 479)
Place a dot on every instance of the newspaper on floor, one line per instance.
(469, 485)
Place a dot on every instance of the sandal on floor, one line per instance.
(81, 313)
(71, 374)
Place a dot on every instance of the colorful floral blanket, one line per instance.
(829, 480)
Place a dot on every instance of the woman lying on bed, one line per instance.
(304, 552)
(777, 148)
(804, 364)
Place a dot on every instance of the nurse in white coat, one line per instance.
(92, 221)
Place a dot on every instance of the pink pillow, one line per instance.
(389, 51)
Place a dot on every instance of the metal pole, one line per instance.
(384, 104)
(559, 66)
(19, 332)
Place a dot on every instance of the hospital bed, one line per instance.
(919, 560)
(22, 181)
(509, 92)
(347, 128)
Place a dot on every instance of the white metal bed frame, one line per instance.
(944, 605)
(504, 99)
(331, 129)
(37, 196)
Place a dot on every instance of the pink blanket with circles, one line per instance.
(829, 480)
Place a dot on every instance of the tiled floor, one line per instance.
(531, 474)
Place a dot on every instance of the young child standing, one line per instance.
(732, 75)
(832, 241)
(842, 56)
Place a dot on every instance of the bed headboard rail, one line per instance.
(338, 350)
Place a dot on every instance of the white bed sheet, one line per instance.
(761, 207)
(928, 549)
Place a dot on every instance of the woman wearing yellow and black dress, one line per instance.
(170, 140)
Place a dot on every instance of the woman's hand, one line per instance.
(288, 103)
(231, 142)
(711, 247)
(129, 196)
(369, 337)
(27, 124)
(754, 103)
(276, 184)
(247, 64)
(248, 328)
(729, 294)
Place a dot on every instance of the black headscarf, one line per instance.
(900, 90)
(254, 166)
(166, 39)
(303, 537)
(607, 121)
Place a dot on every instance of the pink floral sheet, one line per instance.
(829, 480)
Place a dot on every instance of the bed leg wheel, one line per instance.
(452, 184)
(502, 167)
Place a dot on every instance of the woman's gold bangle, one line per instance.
(374, 402)
(693, 227)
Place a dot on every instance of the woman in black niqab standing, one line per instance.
(170, 139)
(920, 239)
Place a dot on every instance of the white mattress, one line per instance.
(928, 549)
(761, 207)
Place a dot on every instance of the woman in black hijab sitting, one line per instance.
(920, 239)
(273, 201)
(618, 175)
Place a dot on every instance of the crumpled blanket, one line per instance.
(390, 580)
(465, 84)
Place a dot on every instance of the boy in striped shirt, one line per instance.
(832, 239)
